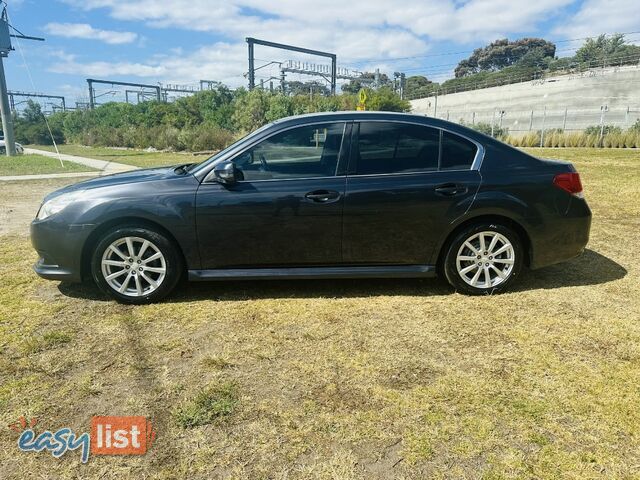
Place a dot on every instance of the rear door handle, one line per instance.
(323, 196)
(450, 189)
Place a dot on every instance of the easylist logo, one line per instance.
(120, 435)
(109, 436)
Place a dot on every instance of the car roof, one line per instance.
(377, 116)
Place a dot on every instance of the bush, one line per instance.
(485, 127)
(607, 129)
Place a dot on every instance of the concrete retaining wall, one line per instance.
(571, 102)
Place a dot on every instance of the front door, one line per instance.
(286, 209)
(406, 184)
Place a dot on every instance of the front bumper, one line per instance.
(59, 246)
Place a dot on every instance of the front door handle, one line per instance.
(450, 189)
(323, 196)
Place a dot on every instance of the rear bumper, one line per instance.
(563, 237)
(59, 247)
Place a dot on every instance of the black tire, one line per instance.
(173, 264)
(450, 267)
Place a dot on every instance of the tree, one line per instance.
(31, 127)
(313, 86)
(366, 79)
(385, 99)
(32, 113)
(418, 86)
(503, 53)
(607, 50)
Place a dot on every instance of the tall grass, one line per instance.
(613, 139)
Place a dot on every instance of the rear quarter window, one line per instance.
(457, 153)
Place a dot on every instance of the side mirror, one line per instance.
(225, 173)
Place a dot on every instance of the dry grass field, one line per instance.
(371, 379)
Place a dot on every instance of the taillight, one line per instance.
(569, 182)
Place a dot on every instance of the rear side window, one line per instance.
(396, 148)
(457, 153)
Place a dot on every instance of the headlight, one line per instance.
(57, 204)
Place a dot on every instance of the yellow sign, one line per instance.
(362, 100)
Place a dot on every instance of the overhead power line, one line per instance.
(443, 54)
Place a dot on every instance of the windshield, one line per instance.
(224, 151)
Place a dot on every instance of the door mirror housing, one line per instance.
(225, 173)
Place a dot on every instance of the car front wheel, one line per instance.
(484, 259)
(136, 265)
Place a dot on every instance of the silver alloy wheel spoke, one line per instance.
(117, 252)
(153, 257)
(130, 249)
(155, 270)
(474, 280)
(115, 275)
(492, 245)
(485, 259)
(124, 285)
(469, 268)
(151, 281)
(115, 263)
(471, 247)
(130, 273)
(504, 260)
(143, 248)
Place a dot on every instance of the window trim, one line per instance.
(475, 164)
(209, 176)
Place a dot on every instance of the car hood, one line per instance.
(134, 176)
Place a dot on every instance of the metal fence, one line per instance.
(524, 121)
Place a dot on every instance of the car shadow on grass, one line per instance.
(591, 268)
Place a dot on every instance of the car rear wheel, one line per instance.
(484, 259)
(136, 265)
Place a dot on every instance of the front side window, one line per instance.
(396, 148)
(301, 152)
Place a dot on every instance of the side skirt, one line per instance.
(392, 271)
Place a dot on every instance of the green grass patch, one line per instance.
(208, 405)
(129, 156)
(30, 164)
(46, 341)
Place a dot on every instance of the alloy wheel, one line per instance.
(485, 259)
(133, 266)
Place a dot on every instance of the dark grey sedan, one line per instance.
(331, 195)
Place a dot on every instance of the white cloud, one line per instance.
(303, 20)
(86, 31)
(601, 16)
(221, 61)
(364, 32)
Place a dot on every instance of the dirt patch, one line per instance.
(19, 202)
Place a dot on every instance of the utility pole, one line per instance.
(603, 110)
(5, 112)
(5, 108)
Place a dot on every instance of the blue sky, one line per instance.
(182, 41)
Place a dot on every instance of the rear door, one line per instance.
(406, 183)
